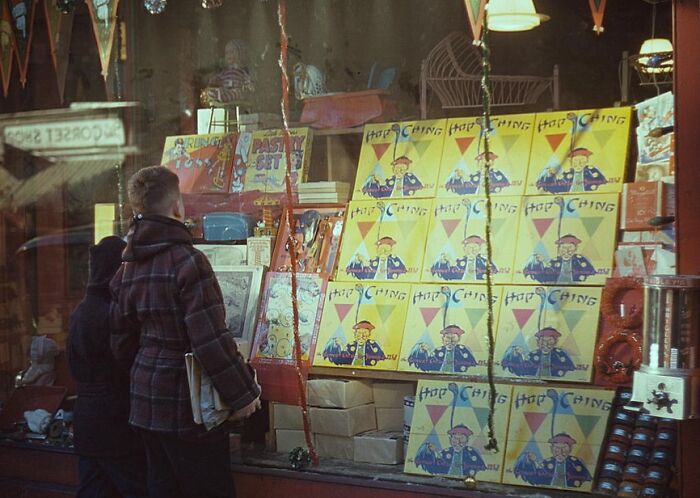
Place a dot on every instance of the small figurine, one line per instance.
(309, 81)
(234, 82)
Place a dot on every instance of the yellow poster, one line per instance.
(446, 329)
(362, 326)
(579, 151)
(456, 248)
(267, 162)
(463, 156)
(547, 332)
(449, 431)
(384, 240)
(555, 436)
(399, 160)
(566, 239)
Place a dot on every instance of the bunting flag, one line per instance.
(22, 19)
(7, 45)
(60, 27)
(103, 14)
(598, 11)
(475, 11)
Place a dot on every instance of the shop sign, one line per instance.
(104, 132)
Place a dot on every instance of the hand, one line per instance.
(337, 342)
(539, 258)
(552, 171)
(518, 350)
(532, 457)
(423, 347)
(360, 259)
(246, 411)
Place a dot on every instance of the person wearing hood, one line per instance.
(167, 302)
(112, 461)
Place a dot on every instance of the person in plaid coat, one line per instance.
(167, 302)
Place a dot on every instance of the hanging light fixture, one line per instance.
(656, 56)
(513, 15)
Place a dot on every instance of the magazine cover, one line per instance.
(555, 436)
(463, 156)
(566, 240)
(456, 247)
(399, 160)
(384, 240)
(655, 113)
(449, 431)
(266, 166)
(579, 151)
(446, 329)
(362, 326)
(547, 332)
(203, 163)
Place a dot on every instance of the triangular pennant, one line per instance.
(603, 137)
(508, 141)
(590, 250)
(385, 311)
(421, 146)
(522, 316)
(473, 343)
(597, 11)
(6, 49)
(534, 420)
(542, 225)
(482, 416)
(585, 453)
(60, 27)
(570, 346)
(406, 227)
(435, 412)
(380, 149)
(429, 314)
(587, 423)
(475, 315)
(463, 143)
(450, 226)
(572, 317)
(104, 22)
(342, 309)
(364, 227)
(497, 224)
(475, 12)
(22, 13)
(555, 140)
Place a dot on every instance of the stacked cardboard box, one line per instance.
(324, 193)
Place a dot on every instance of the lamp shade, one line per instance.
(656, 55)
(513, 15)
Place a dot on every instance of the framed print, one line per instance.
(224, 254)
(240, 286)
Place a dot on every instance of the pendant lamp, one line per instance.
(656, 55)
(513, 15)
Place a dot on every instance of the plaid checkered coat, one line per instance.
(167, 302)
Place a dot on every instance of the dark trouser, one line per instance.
(108, 477)
(179, 468)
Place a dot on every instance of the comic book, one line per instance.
(449, 431)
(384, 240)
(203, 163)
(362, 325)
(446, 329)
(555, 436)
(547, 332)
(456, 247)
(566, 239)
(399, 160)
(579, 151)
(464, 157)
(266, 166)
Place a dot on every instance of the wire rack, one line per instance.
(452, 71)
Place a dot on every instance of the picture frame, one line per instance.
(319, 244)
(225, 255)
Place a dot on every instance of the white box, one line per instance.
(379, 447)
(391, 394)
(389, 419)
(343, 421)
(287, 440)
(287, 417)
(342, 447)
(338, 393)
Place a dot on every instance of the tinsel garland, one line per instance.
(615, 370)
(609, 303)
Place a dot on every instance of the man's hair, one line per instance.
(152, 190)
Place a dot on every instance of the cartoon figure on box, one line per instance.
(459, 460)
(462, 182)
(402, 183)
(384, 266)
(581, 177)
(363, 351)
(545, 361)
(179, 151)
(472, 266)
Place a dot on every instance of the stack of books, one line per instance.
(324, 193)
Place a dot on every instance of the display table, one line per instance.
(33, 470)
(347, 109)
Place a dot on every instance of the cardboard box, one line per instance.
(389, 419)
(287, 417)
(335, 446)
(338, 393)
(379, 447)
(343, 421)
(287, 440)
(642, 201)
(391, 394)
